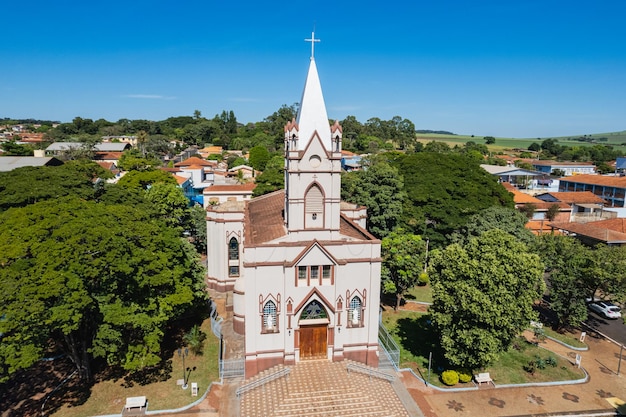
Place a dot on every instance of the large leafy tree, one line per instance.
(567, 263)
(403, 260)
(483, 295)
(28, 185)
(497, 217)
(444, 190)
(272, 179)
(97, 280)
(380, 189)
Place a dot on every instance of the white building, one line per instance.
(304, 273)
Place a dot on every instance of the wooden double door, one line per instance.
(313, 341)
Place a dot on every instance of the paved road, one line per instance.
(615, 329)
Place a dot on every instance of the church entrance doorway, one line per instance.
(313, 341)
(313, 325)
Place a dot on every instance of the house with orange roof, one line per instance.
(610, 232)
(585, 205)
(610, 188)
(538, 223)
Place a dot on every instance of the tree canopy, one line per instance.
(380, 189)
(443, 191)
(483, 293)
(98, 280)
(403, 260)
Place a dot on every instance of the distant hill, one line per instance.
(9, 121)
(438, 132)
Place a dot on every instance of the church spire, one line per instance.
(312, 115)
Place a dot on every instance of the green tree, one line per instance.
(170, 203)
(403, 261)
(259, 155)
(27, 185)
(15, 149)
(145, 179)
(443, 190)
(380, 189)
(483, 294)
(490, 140)
(568, 264)
(98, 280)
(134, 160)
(504, 218)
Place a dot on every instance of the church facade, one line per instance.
(303, 271)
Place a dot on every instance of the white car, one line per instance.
(606, 309)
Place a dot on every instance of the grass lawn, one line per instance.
(421, 293)
(566, 337)
(417, 339)
(615, 139)
(108, 395)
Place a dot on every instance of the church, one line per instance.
(303, 271)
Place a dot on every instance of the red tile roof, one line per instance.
(264, 219)
(595, 230)
(577, 197)
(194, 160)
(609, 181)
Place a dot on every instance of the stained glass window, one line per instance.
(269, 316)
(354, 312)
(313, 310)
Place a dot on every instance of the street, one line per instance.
(615, 329)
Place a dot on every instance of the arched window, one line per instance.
(270, 324)
(314, 205)
(233, 249)
(355, 312)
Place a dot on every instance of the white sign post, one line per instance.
(582, 336)
(578, 359)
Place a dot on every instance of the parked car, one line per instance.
(606, 309)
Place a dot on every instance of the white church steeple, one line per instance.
(312, 162)
(312, 115)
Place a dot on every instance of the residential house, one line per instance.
(610, 232)
(567, 168)
(218, 194)
(9, 163)
(585, 205)
(612, 189)
(538, 222)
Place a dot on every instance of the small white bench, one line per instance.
(483, 377)
(134, 402)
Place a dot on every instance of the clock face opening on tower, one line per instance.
(315, 161)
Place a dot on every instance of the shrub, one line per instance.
(195, 339)
(531, 367)
(551, 361)
(465, 375)
(541, 363)
(422, 279)
(450, 377)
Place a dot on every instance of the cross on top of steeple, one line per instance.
(312, 40)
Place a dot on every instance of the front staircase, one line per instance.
(321, 388)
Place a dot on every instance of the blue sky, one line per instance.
(527, 68)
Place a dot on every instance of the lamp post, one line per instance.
(182, 354)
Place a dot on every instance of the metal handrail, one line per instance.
(262, 381)
(371, 372)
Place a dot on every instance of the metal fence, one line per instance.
(388, 345)
(232, 368)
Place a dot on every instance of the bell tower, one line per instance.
(312, 163)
